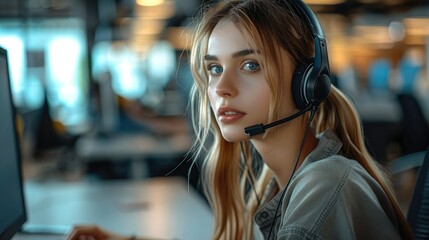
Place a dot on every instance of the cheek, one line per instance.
(261, 104)
(212, 96)
(287, 104)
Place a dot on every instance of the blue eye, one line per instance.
(251, 66)
(215, 69)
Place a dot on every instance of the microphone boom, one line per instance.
(260, 128)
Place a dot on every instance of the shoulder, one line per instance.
(328, 170)
(326, 176)
(331, 178)
(334, 191)
(337, 174)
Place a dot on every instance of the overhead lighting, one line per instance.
(162, 11)
(149, 3)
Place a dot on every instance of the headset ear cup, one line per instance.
(307, 91)
(298, 85)
(322, 87)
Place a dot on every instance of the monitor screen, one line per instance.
(12, 206)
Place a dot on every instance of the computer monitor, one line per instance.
(12, 205)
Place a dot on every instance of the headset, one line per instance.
(311, 82)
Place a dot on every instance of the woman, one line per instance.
(309, 177)
(243, 60)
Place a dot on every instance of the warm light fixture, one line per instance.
(162, 11)
(149, 3)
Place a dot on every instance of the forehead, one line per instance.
(227, 37)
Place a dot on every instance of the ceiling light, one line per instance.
(149, 3)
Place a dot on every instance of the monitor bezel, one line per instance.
(16, 225)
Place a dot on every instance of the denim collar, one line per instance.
(328, 145)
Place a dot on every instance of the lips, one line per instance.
(228, 114)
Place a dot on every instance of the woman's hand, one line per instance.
(93, 232)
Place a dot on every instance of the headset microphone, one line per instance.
(260, 128)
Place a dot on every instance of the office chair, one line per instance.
(418, 210)
(415, 128)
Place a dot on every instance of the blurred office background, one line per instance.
(101, 86)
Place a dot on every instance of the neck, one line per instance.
(280, 147)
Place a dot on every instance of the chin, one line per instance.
(234, 136)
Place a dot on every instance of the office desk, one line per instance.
(134, 147)
(160, 208)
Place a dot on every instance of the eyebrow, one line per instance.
(234, 55)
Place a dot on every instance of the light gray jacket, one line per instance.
(330, 197)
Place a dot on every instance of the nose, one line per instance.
(226, 86)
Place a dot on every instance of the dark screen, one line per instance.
(12, 210)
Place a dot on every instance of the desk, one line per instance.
(161, 208)
(136, 147)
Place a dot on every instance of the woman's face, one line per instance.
(238, 92)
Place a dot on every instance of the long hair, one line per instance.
(229, 166)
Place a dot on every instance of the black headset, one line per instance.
(311, 81)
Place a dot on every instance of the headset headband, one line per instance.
(321, 63)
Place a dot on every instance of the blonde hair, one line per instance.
(229, 166)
